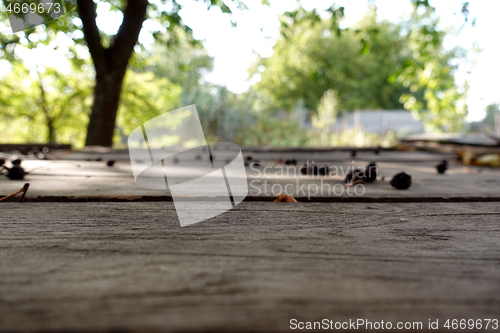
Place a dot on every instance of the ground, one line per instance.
(102, 266)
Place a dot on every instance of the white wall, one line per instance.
(379, 121)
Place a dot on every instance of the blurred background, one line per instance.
(260, 72)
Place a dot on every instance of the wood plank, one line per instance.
(128, 266)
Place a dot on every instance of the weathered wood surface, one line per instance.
(128, 266)
(93, 178)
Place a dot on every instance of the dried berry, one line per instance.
(370, 174)
(110, 163)
(256, 163)
(16, 172)
(401, 181)
(323, 170)
(249, 158)
(17, 162)
(442, 167)
(354, 175)
(291, 162)
(2, 161)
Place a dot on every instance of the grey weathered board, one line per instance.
(76, 177)
(130, 267)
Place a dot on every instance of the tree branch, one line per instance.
(91, 32)
(128, 34)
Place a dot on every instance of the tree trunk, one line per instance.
(104, 109)
(51, 130)
(110, 66)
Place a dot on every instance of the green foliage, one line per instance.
(282, 131)
(428, 72)
(314, 58)
(67, 25)
(222, 113)
(492, 112)
(358, 138)
(166, 12)
(27, 115)
(371, 65)
(271, 130)
(177, 57)
(105, 49)
(144, 96)
(19, 114)
(326, 117)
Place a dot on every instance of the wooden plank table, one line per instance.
(77, 177)
(128, 266)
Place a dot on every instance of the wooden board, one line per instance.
(130, 267)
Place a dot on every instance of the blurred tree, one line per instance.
(182, 60)
(177, 57)
(314, 56)
(49, 105)
(144, 97)
(372, 65)
(110, 53)
(428, 70)
(492, 113)
(326, 117)
(270, 129)
(44, 106)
